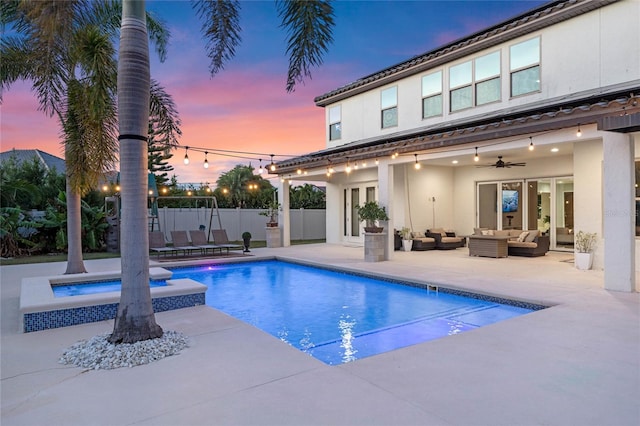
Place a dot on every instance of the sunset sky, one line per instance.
(246, 107)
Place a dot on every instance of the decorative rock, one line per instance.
(97, 353)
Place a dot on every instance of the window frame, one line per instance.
(337, 124)
(461, 86)
(492, 77)
(388, 108)
(513, 71)
(432, 95)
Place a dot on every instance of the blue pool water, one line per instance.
(94, 287)
(338, 317)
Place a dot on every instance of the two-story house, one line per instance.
(542, 109)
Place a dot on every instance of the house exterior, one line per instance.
(554, 93)
(50, 162)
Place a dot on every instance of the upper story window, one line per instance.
(475, 82)
(487, 78)
(335, 123)
(460, 92)
(432, 95)
(389, 106)
(524, 64)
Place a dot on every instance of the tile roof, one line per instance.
(543, 16)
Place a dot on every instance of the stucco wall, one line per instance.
(593, 50)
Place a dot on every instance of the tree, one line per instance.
(309, 24)
(164, 127)
(307, 197)
(66, 50)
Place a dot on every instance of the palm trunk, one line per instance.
(135, 320)
(75, 264)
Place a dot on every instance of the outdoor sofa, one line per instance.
(445, 240)
(520, 242)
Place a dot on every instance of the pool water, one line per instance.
(338, 317)
(94, 287)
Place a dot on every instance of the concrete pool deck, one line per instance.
(577, 363)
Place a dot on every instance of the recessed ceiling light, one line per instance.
(554, 150)
(455, 161)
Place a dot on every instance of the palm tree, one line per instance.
(309, 24)
(66, 50)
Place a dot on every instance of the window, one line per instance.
(487, 78)
(335, 123)
(389, 105)
(478, 79)
(525, 67)
(460, 79)
(432, 95)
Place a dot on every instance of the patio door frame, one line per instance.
(351, 229)
(554, 208)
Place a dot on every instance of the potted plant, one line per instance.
(585, 243)
(407, 242)
(371, 212)
(272, 213)
(246, 239)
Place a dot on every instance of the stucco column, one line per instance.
(619, 212)
(284, 217)
(385, 197)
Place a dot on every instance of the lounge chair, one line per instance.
(220, 239)
(157, 244)
(199, 239)
(181, 242)
(445, 240)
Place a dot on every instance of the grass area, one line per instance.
(62, 257)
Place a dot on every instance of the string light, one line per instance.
(186, 155)
(299, 171)
(579, 132)
(272, 166)
(348, 168)
(377, 161)
(355, 165)
(417, 165)
(476, 158)
(531, 147)
(206, 162)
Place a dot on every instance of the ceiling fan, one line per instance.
(503, 164)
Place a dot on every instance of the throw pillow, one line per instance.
(532, 236)
(485, 232)
(416, 234)
(522, 236)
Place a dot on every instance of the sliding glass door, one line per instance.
(352, 197)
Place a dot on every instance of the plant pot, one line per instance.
(247, 243)
(373, 229)
(583, 261)
(272, 224)
(407, 245)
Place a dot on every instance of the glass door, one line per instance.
(564, 214)
(352, 197)
(487, 205)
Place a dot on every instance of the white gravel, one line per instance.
(97, 353)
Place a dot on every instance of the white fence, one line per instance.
(306, 224)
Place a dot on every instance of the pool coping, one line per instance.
(36, 293)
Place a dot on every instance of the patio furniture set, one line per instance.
(484, 242)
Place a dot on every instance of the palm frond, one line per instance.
(309, 25)
(221, 28)
(163, 116)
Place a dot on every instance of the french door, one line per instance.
(354, 196)
(543, 204)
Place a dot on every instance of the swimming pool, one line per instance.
(338, 317)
